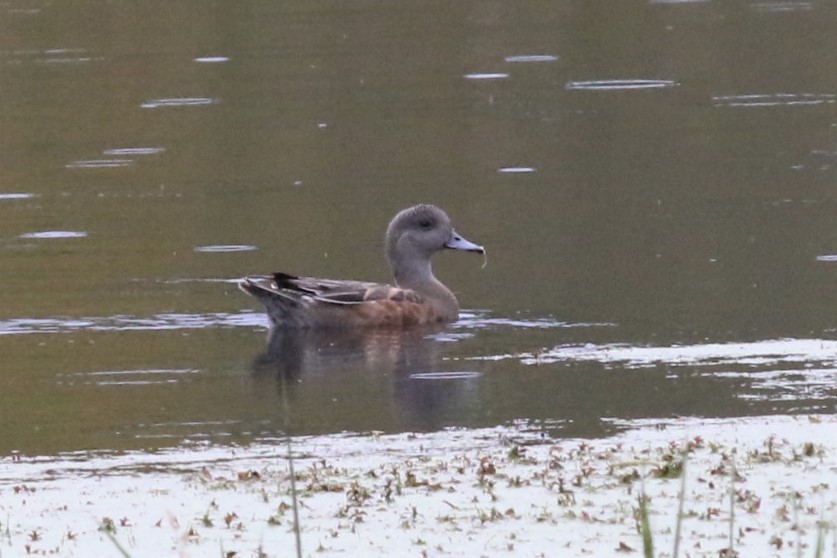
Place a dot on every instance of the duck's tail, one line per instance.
(281, 306)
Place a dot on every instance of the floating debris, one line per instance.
(15, 196)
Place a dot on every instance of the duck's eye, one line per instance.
(425, 223)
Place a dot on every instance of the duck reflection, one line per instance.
(409, 364)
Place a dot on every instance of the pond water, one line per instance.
(654, 183)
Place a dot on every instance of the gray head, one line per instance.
(414, 235)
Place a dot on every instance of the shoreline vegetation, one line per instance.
(759, 486)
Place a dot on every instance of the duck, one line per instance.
(415, 298)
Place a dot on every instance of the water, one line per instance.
(653, 182)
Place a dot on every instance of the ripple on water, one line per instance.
(786, 385)
(127, 377)
(781, 7)
(619, 84)
(476, 320)
(525, 58)
(54, 234)
(437, 376)
(462, 329)
(212, 59)
(516, 170)
(178, 102)
(65, 56)
(99, 163)
(15, 196)
(759, 353)
(170, 321)
(450, 336)
(134, 151)
(756, 100)
(772, 369)
(49, 56)
(486, 76)
(225, 248)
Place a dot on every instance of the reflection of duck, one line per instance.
(294, 352)
(413, 237)
(345, 363)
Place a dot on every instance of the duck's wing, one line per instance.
(306, 302)
(335, 291)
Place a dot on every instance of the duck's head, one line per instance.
(418, 232)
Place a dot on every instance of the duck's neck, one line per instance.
(417, 274)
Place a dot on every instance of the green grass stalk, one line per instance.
(116, 543)
(796, 505)
(681, 497)
(733, 474)
(294, 495)
(819, 547)
(645, 525)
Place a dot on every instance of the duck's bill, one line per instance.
(457, 242)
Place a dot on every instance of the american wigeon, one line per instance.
(413, 236)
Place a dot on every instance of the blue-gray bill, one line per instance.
(458, 242)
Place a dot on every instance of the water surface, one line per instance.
(654, 182)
